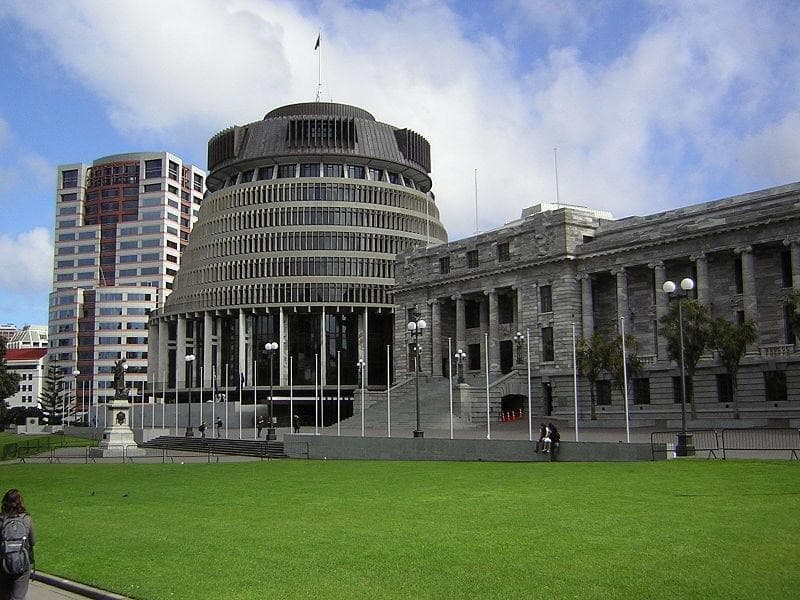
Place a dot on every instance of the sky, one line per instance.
(651, 104)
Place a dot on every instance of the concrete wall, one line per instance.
(345, 447)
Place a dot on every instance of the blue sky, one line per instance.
(652, 104)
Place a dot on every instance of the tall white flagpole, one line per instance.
(163, 399)
(213, 401)
(388, 394)
(255, 400)
(291, 397)
(530, 396)
(450, 377)
(338, 394)
(575, 379)
(241, 385)
(316, 394)
(227, 416)
(202, 389)
(625, 380)
(176, 403)
(488, 405)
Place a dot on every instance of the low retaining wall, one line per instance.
(381, 448)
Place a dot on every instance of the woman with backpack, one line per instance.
(16, 547)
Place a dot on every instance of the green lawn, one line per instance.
(341, 529)
(35, 444)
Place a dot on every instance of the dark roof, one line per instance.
(319, 109)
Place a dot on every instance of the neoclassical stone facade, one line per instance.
(562, 268)
(295, 244)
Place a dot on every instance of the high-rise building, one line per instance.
(122, 223)
(296, 245)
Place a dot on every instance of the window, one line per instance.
(128, 258)
(472, 259)
(375, 174)
(641, 390)
(69, 197)
(505, 308)
(676, 389)
(69, 179)
(472, 314)
(603, 389)
(474, 357)
(309, 170)
(152, 168)
(198, 182)
(724, 388)
(173, 170)
(786, 268)
(737, 275)
(740, 317)
(264, 173)
(546, 298)
(548, 348)
(247, 176)
(503, 253)
(333, 170)
(355, 172)
(787, 324)
(775, 386)
(286, 171)
(444, 265)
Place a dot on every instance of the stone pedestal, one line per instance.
(117, 439)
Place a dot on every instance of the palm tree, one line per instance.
(633, 363)
(592, 357)
(730, 340)
(696, 335)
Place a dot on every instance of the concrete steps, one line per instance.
(257, 448)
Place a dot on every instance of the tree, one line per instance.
(8, 382)
(792, 304)
(55, 398)
(592, 355)
(696, 335)
(730, 340)
(633, 363)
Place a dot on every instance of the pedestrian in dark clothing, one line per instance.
(296, 421)
(202, 429)
(259, 426)
(555, 441)
(15, 520)
(219, 427)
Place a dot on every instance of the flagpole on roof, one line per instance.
(318, 49)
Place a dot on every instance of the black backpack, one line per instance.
(14, 555)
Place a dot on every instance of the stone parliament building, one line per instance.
(560, 269)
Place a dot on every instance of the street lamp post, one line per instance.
(189, 358)
(270, 348)
(415, 328)
(461, 356)
(518, 339)
(362, 367)
(685, 446)
(76, 373)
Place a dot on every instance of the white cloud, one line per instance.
(774, 151)
(634, 136)
(26, 262)
(40, 170)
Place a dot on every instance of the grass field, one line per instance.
(341, 529)
(34, 444)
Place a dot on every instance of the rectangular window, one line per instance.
(724, 388)
(548, 347)
(69, 179)
(641, 390)
(737, 275)
(775, 386)
(505, 308)
(503, 253)
(198, 182)
(309, 170)
(333, 170)
(355, 172)
(127, 272)
(173, 170)
(787, 324)
(152, 168)
(474, 357)
(740, 317)
(375, 174)
(264, 173)
(676, 389)
(286, 171)
(444, 265)
(69, 197)
(472, 259)
(472, 314)
(152, 187)
(603, 389)
(546, 298)
(786, 268)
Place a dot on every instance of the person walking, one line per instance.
(296, 422)
(16, 547)
(202, 429)
(219, 427)
(259, 425)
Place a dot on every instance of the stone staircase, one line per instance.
(257, 448)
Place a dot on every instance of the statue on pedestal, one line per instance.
(120, 366)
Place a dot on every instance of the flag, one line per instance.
(317, 44)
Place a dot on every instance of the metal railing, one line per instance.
(727, 440)
(705, 440)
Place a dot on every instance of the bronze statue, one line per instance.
(119, 378)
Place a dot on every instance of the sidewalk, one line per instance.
(50, 587)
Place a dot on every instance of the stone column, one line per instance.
(163, 350)
(587, 305)
(520, 316)
(180, 353)
(662, 303)
(244, 362)
(461, 338)
(622, 292)
(794, 248)
(749, 300)
(493, 328)
(208, 371)
(436, 339)
(703, 288)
